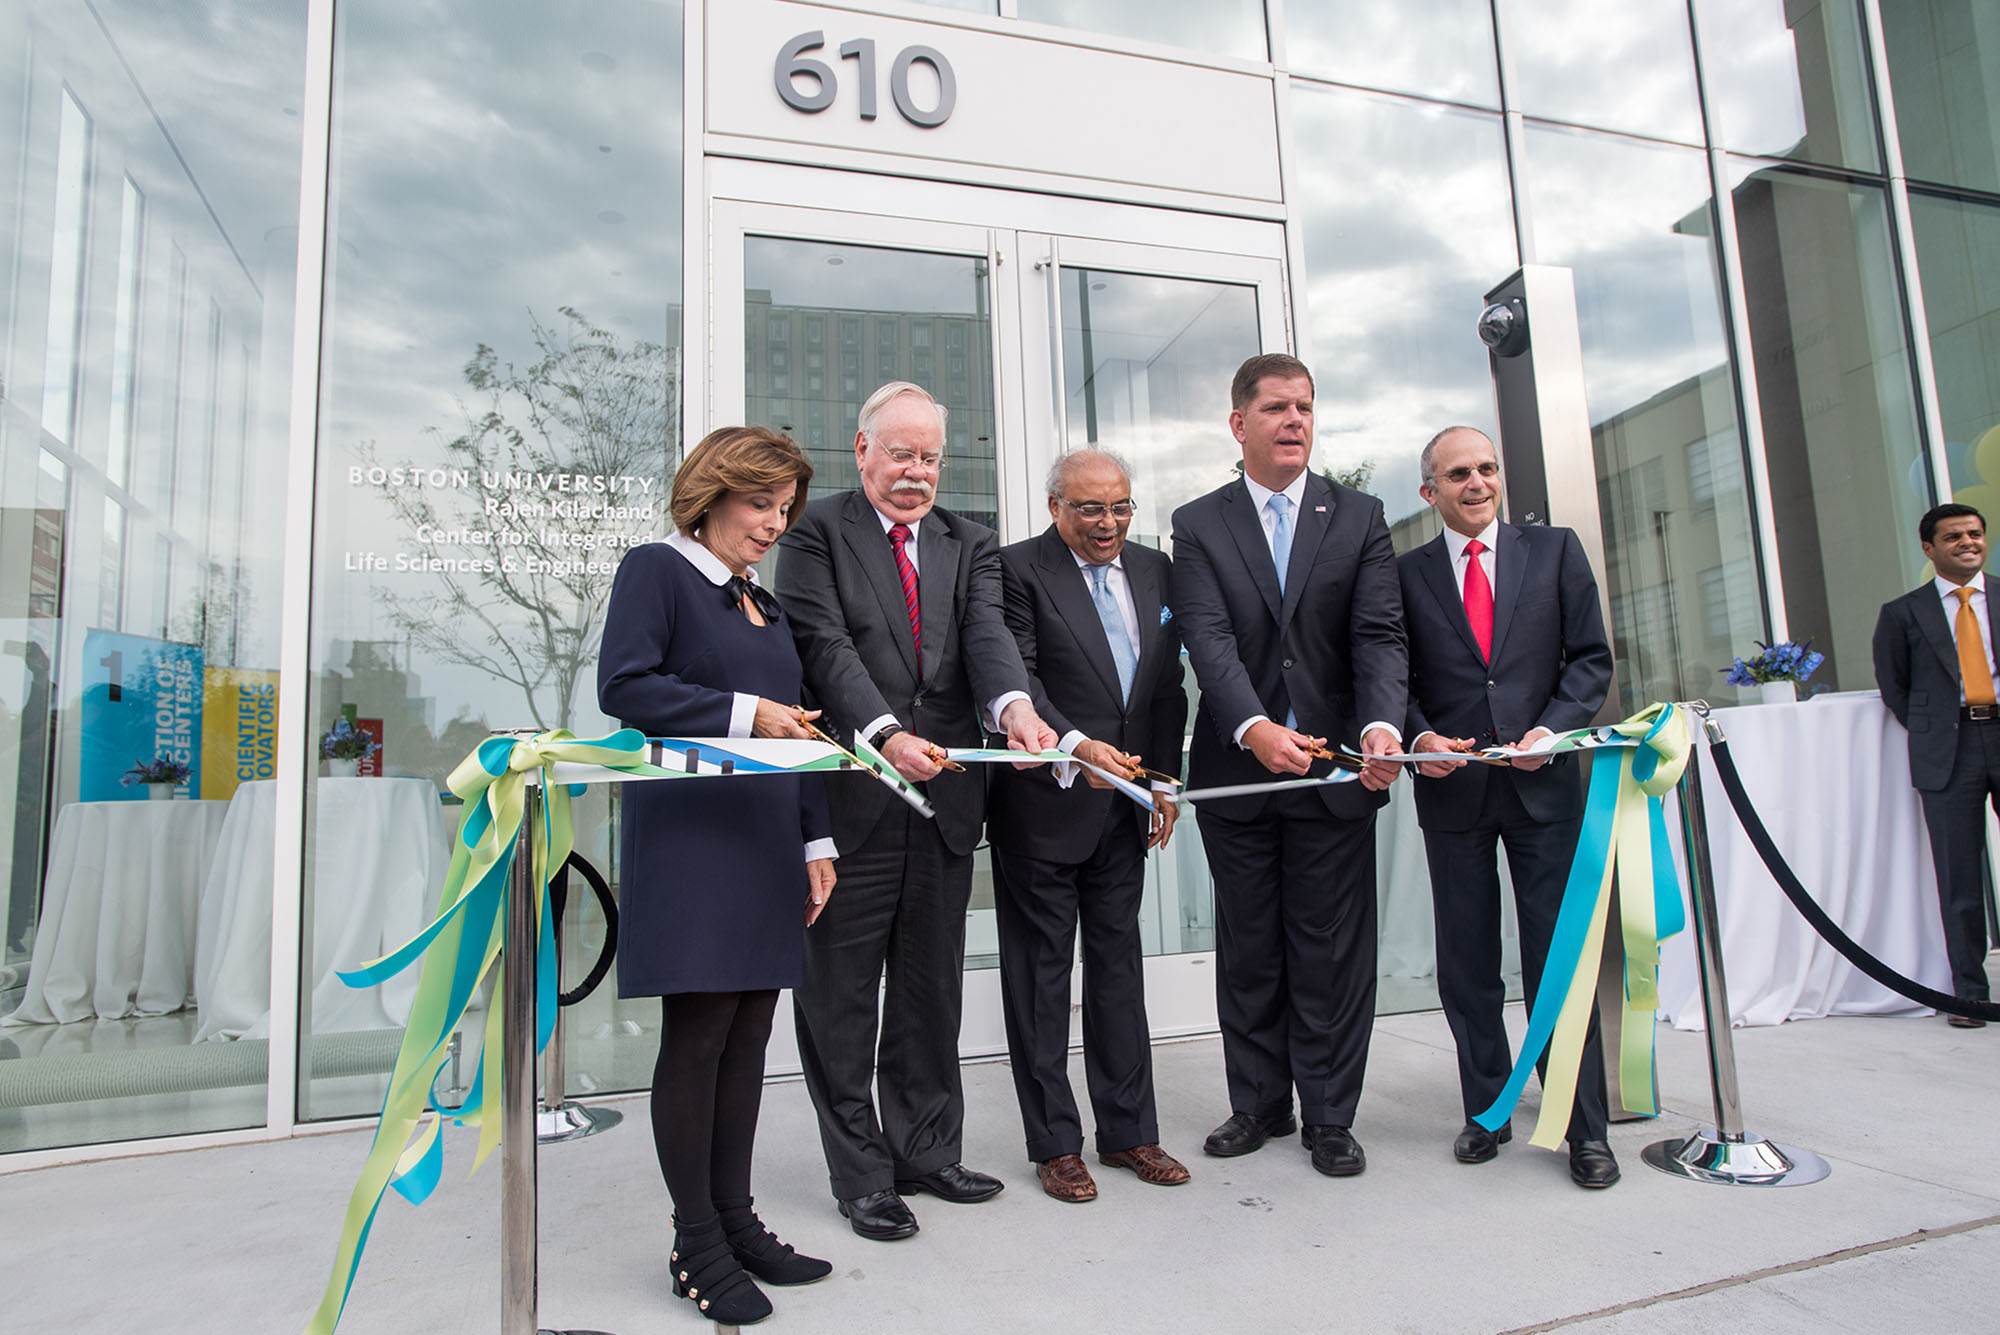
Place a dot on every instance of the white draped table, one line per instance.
(380, 853)
(116, 935)
(1831, 779)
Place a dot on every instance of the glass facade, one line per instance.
(151, 223)
(503, 382)
(499, 416)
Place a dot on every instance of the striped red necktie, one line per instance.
(899, 535)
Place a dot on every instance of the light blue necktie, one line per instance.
(1122, 656)
(1281, 554)
(1281, 535)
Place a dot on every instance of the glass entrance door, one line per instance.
(1038, 339)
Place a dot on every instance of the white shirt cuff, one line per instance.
(743, 715)
(1246, 725)
(873, 726)
(1069, 742)
(820, 848)
(994, 710)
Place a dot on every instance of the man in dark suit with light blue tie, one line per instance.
(1096, 633)
(1506, 646)
(1934, 661)
(1285, 588)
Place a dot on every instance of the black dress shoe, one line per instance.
(880, 1215)
(1335, 1151)
(1245, 1132)
(1476, 1144)
(955, 1183)
(1592, 1165)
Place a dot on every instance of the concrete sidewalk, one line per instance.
(1903, 1235)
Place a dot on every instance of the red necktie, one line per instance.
(898, 536)
(1479, 599)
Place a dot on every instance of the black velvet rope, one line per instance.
(1781, 872)
(558, 899)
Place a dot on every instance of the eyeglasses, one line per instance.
(1462, 475)
(904, 458)
(1095, 510)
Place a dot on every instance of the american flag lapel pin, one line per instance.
(1319, 509)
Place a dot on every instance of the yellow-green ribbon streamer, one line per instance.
(1623, 842)
(458, 950)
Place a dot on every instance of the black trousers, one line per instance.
(1956, 816)
(898, 908)
(1465, 892)
(1295, 956)
(1039, 905)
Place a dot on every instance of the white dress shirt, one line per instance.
(1455, 543)
(1947, 591)
(743, 708)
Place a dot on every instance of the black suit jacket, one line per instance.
(1916, 667)
(1331, 648)
(837, 582)
(1074, 684)
(1551, 667)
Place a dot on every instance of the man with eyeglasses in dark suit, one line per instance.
(1090, 614)
(1507, 646)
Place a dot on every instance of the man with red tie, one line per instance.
(1934, 663)
(1507, 646)
(895, 604)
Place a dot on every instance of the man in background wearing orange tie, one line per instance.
(1934, 662)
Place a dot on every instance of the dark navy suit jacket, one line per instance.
(1330, 648)
(1551, 667)
(1916, 667)
(1074, 685)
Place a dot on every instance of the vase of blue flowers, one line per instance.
(1776, 670)
(343, 747)
(161, 777)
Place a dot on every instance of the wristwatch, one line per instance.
(883, 734)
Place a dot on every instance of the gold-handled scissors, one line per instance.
(941, 760)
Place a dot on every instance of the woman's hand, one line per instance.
(776, 720)
(819, 887)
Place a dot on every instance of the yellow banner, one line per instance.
(239, 710)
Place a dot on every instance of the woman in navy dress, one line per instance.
(721, 876)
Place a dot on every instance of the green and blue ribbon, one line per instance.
(462, 945)
(1624, 841)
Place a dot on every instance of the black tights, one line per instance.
(707, 1087)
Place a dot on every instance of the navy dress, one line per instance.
(714, 885)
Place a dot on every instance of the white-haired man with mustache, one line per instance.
(895, 604)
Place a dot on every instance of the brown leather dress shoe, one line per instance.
(1067, 1179)
(1965, 1022)
(1150, 1162)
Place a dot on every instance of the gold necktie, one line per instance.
(1972, 669)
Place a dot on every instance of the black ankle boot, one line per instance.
(708, 1275)
(761, 1253)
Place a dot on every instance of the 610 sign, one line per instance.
(793, 61)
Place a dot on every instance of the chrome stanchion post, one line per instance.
(558, 1119)
(519, 1211)
(1725, 1153)
(518, 1216)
